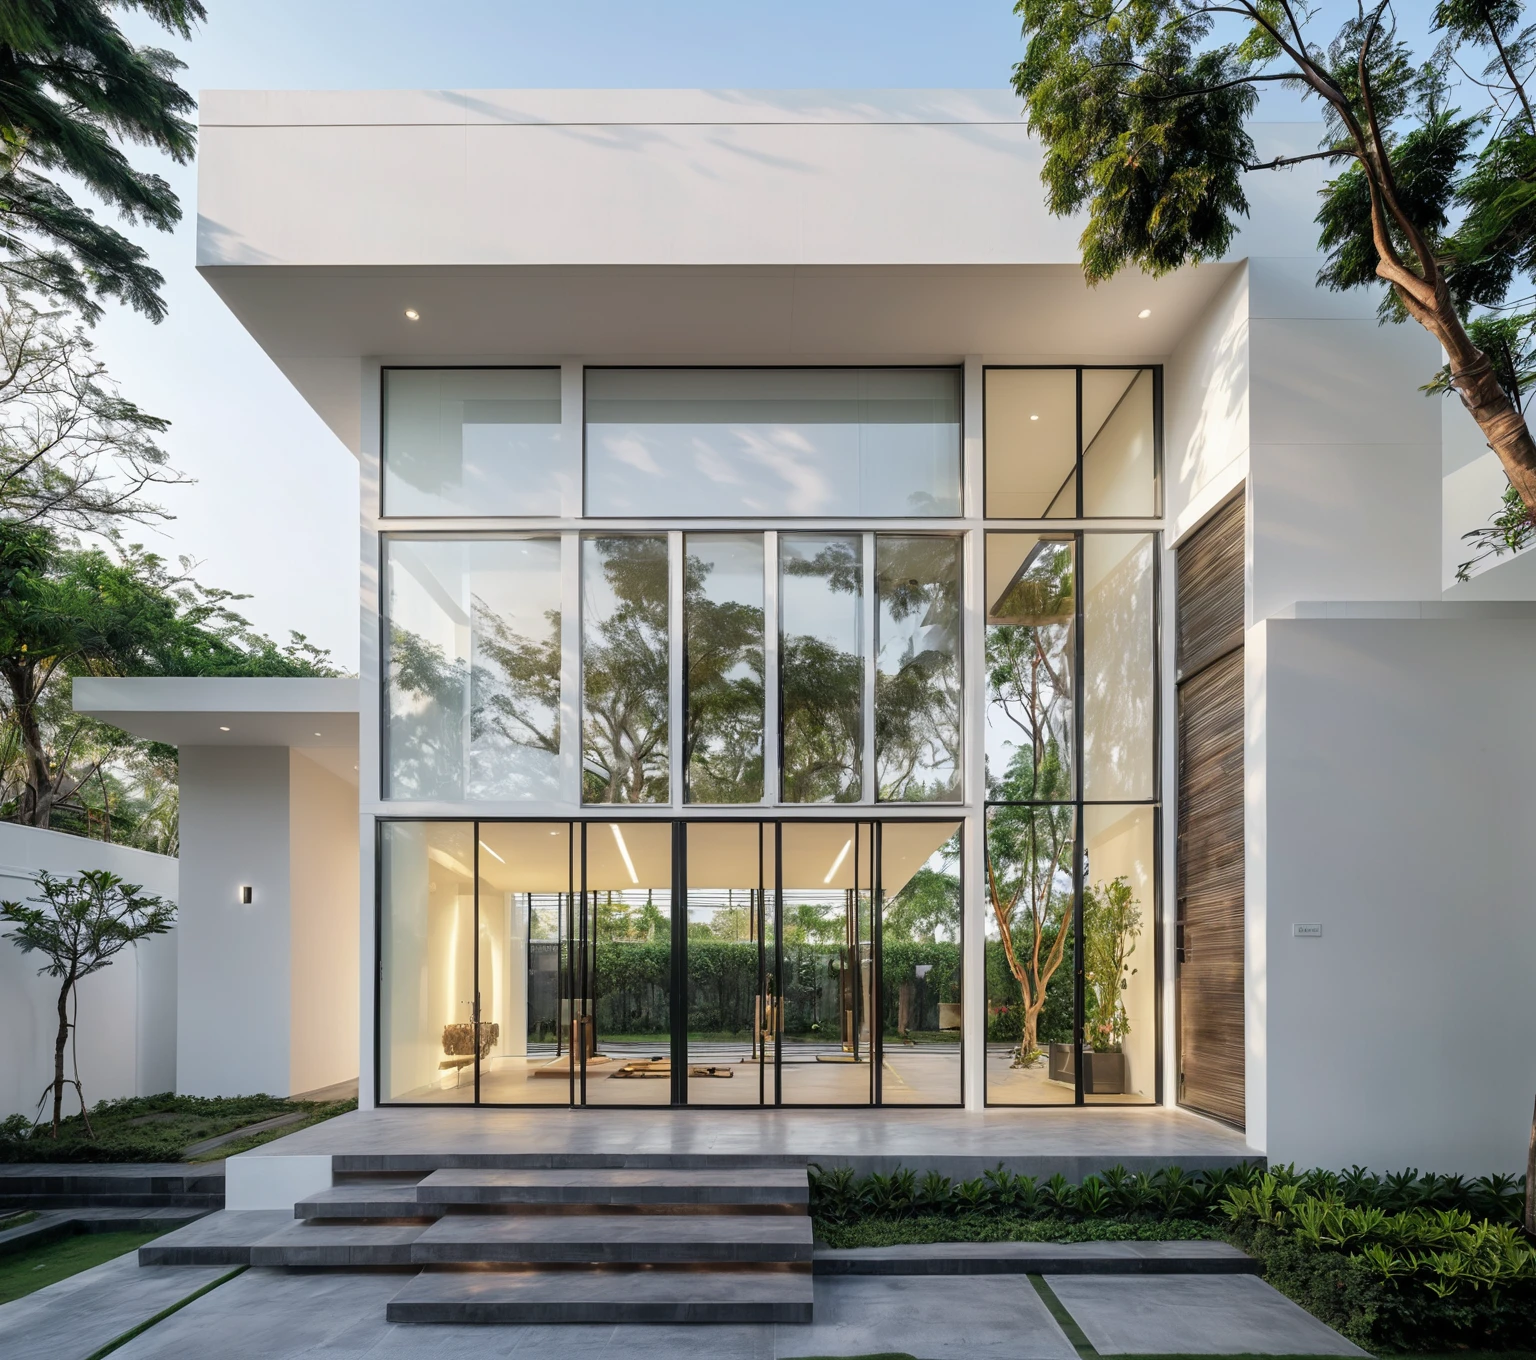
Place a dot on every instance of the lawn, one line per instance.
(164, 1128)
(36, 1267)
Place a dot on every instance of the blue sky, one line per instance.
(275, 502)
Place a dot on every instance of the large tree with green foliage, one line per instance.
(73, 90)
(1144, 106)
(67, 611)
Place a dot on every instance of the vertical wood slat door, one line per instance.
(1209, 604)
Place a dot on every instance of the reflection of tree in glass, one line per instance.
(723, 736)
(821, 689)
(917, 690)
(1028, 668)
(513, 685)
(1029, 879)
(624, 674)
(814, 923)
(926, 910)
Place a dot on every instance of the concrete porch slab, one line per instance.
(1193, 1315)
(958, 1143)
(1038, 1258)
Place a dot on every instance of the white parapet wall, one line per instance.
(127, 1012)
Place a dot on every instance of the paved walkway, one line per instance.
(274, 1315)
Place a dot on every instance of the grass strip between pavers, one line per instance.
(164, 1313)
(1064, 1319)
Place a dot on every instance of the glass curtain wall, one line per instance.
(1071, 747)
(472, 668)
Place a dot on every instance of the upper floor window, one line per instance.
(1068, 442)
(473, 442)
(773, 442)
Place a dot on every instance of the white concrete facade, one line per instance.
(572, 229)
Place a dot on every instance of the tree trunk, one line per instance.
(38, 799)
(1530, 1181)
(60, 1041)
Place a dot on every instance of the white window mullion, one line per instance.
(867, 627)
(772, 722)
(675, 656)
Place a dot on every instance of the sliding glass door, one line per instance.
(635, 962)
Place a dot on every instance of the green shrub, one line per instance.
(1411, 1279)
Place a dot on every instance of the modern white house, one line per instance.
(817, 652)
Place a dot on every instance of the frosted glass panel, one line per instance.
(1118, 667)
(1031, 443)
(773, 442)
(472, 673)
(1119, 466)
(473, 442)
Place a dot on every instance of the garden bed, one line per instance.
(162, 1128)
(1403, 1263)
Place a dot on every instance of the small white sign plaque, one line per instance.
(1313, 931)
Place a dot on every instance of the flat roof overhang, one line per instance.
(302, 712)
(319, 322)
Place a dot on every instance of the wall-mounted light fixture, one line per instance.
(245, 894)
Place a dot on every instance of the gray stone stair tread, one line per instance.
(222, 1238)
(747, 1185)
(589, 1239)
(368, 1199)
(937, 1258)
(604, 1296)
(306, 1243)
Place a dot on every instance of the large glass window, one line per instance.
(821, 667)
(1119, 666)
(918, 672)
(472, 668)
(473, 442)
(723, 612)
(624, 668)
(800, 442)
(1065, 441)
(1031, 615)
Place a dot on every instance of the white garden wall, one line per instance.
(127, 1012)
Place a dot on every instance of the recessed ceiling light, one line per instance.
(1034, 417)
(411, 314)
(492, 853)
(624, 851)
(838, 862)
(223, 729)
(1143, 314)
(317, 734)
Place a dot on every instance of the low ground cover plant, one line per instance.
(1403, 1262)
(157, 1128)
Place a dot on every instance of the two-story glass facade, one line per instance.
(787, 737)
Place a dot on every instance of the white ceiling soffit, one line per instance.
(318, 323)
(235, 711)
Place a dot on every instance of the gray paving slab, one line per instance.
(594, 1239)
(1193, 1315)
(55, 1223)
(1037, 1258)
(221, 1239)
(536, 1296)
(310, 1245)
(982, 1317)
(628, 1185)
(77, 1316)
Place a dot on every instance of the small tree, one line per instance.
(80, 925)
(1111, 927)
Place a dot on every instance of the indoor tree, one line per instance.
(75, 90)
(1144, 110)
(80, 924)
(1111, 927)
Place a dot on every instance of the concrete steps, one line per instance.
(368, 1200)
(631, 1239)
(120, 1185)
(605, 1296)
(746, 1190)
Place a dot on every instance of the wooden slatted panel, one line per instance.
(1210, 811)
(1210, 590)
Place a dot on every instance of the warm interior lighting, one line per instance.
(624, 851)
(1034, 417)
(411, 314)
(492, 853)
(1144, 313)
(223, 729)
(838, 862)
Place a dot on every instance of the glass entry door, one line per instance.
(630, 962)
